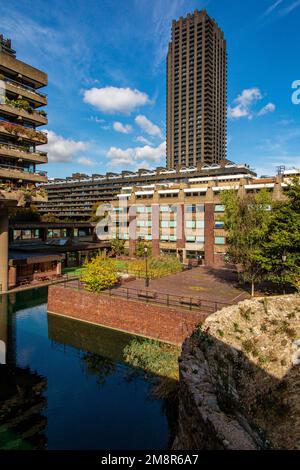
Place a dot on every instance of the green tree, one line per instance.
(140, 249)
(117, 246)
(99, 274)
(246, 220)
(48, 217)
(94, 217)
(25, 214)
(281, 247)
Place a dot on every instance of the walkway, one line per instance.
(218, 285)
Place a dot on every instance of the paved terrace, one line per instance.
(217, 285)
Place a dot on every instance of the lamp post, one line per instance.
(283, 262)
(146, 259)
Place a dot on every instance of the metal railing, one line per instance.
(155, 297)
(4, 144)
(26, 87)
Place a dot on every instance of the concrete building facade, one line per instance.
(20, 117)
(72, 198)
(196, 92)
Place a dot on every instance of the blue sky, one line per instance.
(107, 89)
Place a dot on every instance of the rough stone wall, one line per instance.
(240, 378)
(201, 422)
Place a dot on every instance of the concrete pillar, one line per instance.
(43, 234)
(70, 232)
(3, 329)
(58, 268)
(3, 251)
(12, 276)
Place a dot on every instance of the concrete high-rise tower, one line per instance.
(196, 92)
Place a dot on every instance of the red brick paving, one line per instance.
(218, 285)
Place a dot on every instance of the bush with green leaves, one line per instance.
(99, 274)
(160, 266)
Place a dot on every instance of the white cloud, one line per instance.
(147, 126)
(136, 157)
(112, 100)
(272, 7)
(269, 108)
(86, 161)
(63, 150)
(245, 102)
(143, 140)
(119, 127)
(290, 8)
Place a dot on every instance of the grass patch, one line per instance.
(157, 267)
(158, 359)
(76, 271)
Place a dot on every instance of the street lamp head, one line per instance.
(146, 249)
(284, 258)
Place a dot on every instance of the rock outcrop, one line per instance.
(240, 378)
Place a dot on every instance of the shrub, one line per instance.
(157, 267)
(99, 274)
(140, 248)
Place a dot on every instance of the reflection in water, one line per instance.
(22, 423)
(64, 385)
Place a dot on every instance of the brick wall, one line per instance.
(143, 319)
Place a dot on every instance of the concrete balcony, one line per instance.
(26, 93)
(16, 197)
(23, 133)
(13, 151)
(19, 69)
(19, 113)
(21, 175)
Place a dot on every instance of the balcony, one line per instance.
(18, 173)
(12, 197)
(25, 92)
(22, 132)
(8, 150)
(33, 117)
(13, 66)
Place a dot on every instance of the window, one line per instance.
(148, 237)
(190, 239)
(200, 224)
(140, 209)
(164, 238)
(200, 239)
(164, 223)
(219, 240)
(190, 208)
(173, 223)
(164, 209)
(140, 223)
(219, 224)
(173, 238)
(190, 224)
(219, 208)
